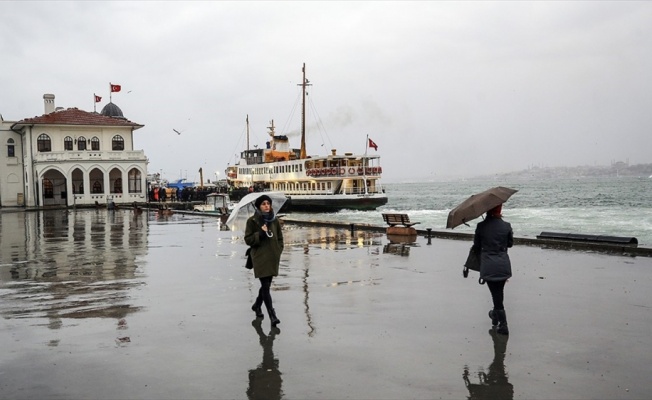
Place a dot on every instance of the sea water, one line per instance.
(611, 206)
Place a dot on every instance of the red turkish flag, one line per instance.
(372, 144)
(115, 88)
(97, 99)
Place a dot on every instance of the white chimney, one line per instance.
(48, 99)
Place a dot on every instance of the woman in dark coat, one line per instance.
(493, 237)
(264, 236)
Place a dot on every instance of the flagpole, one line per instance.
(366, 145)
(110, 93)
(364, 167)
(94, 102)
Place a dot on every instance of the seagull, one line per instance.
(178, 133)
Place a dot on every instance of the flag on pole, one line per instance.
(115, 88)
(372, 144)
(97, 98)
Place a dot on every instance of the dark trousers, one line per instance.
(264, 294)
(496, 288)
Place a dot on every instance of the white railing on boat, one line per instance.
(345, 171)
(346, 191)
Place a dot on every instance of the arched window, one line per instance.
(43, 143)
(95, 143)
(67, 143)
(118, 143)
(11, 150)
(117, 186)
(97, 187)
(81, 143)
(134, 181)
(77, 181)
(48, 189)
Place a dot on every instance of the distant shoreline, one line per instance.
(584, 171)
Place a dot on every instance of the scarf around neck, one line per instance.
(267, 217)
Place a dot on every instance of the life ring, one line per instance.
(333, 171)
(359, 171)
(342, 170)
(380, 170)
(351, 171)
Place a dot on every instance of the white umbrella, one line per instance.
(246, 208)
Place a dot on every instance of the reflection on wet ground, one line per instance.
(70, 264)
(108, 304)
(265, 380)
(494, 382)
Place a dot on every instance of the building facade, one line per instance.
(11, 166)
(69, 157)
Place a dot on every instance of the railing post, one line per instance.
(429, 233)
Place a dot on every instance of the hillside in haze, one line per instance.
(615, 169)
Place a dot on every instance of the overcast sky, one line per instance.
(443, 88)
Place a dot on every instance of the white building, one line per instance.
(71, 157)
(11, 165)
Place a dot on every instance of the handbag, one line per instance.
(472, 262)
(249, 264)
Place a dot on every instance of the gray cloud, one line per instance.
(443, 88)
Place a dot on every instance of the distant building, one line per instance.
(71, 157)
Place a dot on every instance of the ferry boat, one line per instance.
(312, 183)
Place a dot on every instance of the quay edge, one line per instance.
(543, 243)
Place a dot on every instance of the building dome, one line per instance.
(111, 110)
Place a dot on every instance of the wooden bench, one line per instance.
(398, 219)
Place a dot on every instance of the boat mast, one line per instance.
(303, 85)
(247, 135)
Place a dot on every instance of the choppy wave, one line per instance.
(596, 206)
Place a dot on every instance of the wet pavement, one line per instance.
(98, 304)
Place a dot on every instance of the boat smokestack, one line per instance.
(48, 100)
(334, 152)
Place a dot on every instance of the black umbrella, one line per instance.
(478, 204)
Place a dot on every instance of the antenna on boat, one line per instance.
(247, 133)
(303, 85)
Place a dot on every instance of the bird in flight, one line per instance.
(178, 133)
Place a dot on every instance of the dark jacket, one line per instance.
(265, 251)
(492, 237)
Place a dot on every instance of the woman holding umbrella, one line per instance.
(492, 238)
(264, 236)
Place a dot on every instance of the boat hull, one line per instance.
(333, 203)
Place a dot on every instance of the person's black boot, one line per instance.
(256, 308)
(494, 318)
(272, 317)
(502, 322)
